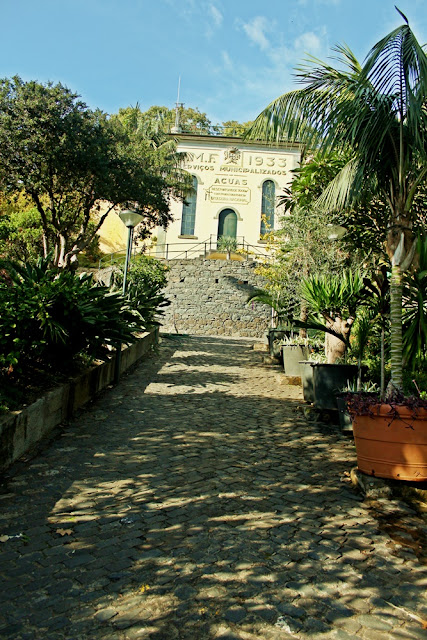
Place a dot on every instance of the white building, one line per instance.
(236, 186)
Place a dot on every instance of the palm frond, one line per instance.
(340, 191)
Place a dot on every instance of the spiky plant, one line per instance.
(378, 112)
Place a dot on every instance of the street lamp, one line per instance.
(130, 219)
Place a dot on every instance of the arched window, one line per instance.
(267, 206)
(189, 212)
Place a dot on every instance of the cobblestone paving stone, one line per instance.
(195, 501)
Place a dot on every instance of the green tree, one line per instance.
(162, 119)
(147, 137)
(378, 112)
(235, 128)
(69, 160)
(302, 244)
(21, 231)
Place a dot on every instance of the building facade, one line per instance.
(236, 184)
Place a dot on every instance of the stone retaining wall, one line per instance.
(20, 430)
(209, 297)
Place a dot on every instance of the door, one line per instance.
(227, 223)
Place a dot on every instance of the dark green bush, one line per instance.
(147, 277)
(51, 315)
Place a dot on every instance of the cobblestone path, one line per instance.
(194, 501)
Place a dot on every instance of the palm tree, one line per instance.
(378, 113)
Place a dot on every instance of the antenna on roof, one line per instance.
(176, 128)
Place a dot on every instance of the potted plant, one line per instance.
(391, 431)
(228, 244)
(332, 300)
(390, 435)
(352, 388)
(377, 111)
(294, 350)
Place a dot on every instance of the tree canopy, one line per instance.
(68, 159)
(378, 113)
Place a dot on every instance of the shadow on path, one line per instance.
(194, 501)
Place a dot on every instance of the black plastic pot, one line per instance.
(275, 341)
(307, 380)
(328, 381)
(293, 354)
(322, 382)
(346, 423)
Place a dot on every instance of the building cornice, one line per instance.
(234, 140)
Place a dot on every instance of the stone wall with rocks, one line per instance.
(209, 297)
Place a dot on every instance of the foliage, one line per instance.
(235, 128)
(68, 160)
(334, 299)
(227, 243)
(311, 179)
(51, 315)
(334, 294)
(146, 279)
(21, 233)
(162, 119)
(415, 311)
(263, 296)
(368, 404)
(377, 113)
(303, 243)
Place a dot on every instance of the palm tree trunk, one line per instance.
(396, 347)
(382, 387)
(303, 316)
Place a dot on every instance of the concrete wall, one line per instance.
(209, 297)
(20, 430)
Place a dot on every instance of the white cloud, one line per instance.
(216, 15)
(226, 60)
(309, 42)
(256, 31)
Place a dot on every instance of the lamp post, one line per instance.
(130, 219)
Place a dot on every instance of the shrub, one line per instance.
(51, 315)
(227, 243)
(147, 277)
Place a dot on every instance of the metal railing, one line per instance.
(176, 250)
(188, 251)
(236, 131)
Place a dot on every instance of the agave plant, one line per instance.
(378, 112)
(51, 314)
(334, 299)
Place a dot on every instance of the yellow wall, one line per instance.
(113, 233)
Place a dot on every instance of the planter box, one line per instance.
(391, 446)
(322, 382)
(20, 430)
(275, 341)
(346, 423)
(307, 380)
(293, 354)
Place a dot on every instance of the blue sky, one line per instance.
(233, 56)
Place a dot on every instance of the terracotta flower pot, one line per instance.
(392, 442)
